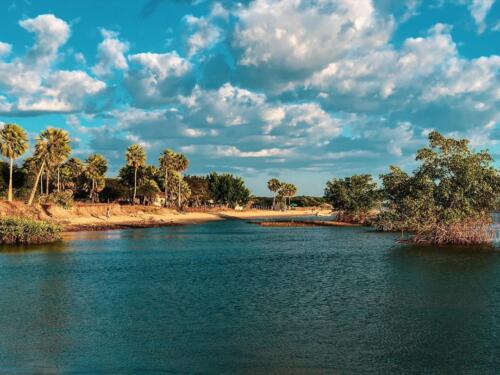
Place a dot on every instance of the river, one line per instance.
(232, 297)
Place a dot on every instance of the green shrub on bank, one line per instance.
(20, 230)
(62, 199)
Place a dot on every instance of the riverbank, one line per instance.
(99, 217)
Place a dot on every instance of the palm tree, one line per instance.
(61, 152)
(180, 165)
(136, 158)
(167, 160)
(95, 169)
(40, 157)
(274, 185)
(291, 191)
(13, 143)
(58, 150)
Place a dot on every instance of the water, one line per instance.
(231, 297)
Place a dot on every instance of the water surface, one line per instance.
(232, 297)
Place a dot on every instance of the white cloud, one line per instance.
(204, 34)
(111, 54)
(479, 10)
(158, 77)
(299, 36)
(51, 33)
(5, 48)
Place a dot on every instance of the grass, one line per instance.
(26, 231)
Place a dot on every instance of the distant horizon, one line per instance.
(298, 90)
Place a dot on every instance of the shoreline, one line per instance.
(87, 217)
(162, 219)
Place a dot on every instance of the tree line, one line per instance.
(449, 197)
(52, 175)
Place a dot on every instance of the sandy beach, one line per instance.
(94, 217)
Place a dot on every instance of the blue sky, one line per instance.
(302, 90)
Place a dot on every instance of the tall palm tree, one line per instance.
(291, 190)
(274, 185)
(167, 160)
(51, 149)
(40, 157)
(95, 169)
(136, 158)
(13, 143)
(180, 165)
(61, 151)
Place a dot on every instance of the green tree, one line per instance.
(136, 158)
(167, 165)
(288, 190)
(13, 144)
(96, 167)
(200, 193)
(52, 146)
(354, 196)
(148, 190)
(227, 189)
(71, 173)
(274, 185)
(454, 187)
(180, 165)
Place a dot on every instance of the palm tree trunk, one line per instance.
(41, 186)
(274, 201)
(9, 194)
(58, 180)
(166, 187)
(35, 186)
(135, 185)
(47, 188)
(179, 194)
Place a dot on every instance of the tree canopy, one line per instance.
(354, 196)
(228, 189)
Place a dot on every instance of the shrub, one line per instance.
(62, 199)
(20, 230)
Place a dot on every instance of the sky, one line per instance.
(300, 90)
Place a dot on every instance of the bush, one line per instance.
(62, 199)
(19, 230)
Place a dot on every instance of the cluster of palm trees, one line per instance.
(172, 165)
(51, 159)
(283, 190)
(51, 150)
(51, 154)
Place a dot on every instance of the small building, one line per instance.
(159, 199)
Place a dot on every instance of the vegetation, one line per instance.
(282, 192)
(354, 197)
(13, 144)
(20, 230)
(449, 197)
(95, 169)
(62, 199)
(136, 158)
(228, 190)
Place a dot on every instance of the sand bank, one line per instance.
(96, 217)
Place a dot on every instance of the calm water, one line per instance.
(231, 297)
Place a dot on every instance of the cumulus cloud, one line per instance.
(50, 34)
(32, 83)
(158, 78)
(204, 34)
(111, 54)
(5, 48)
(290, 39)
(479, 10)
